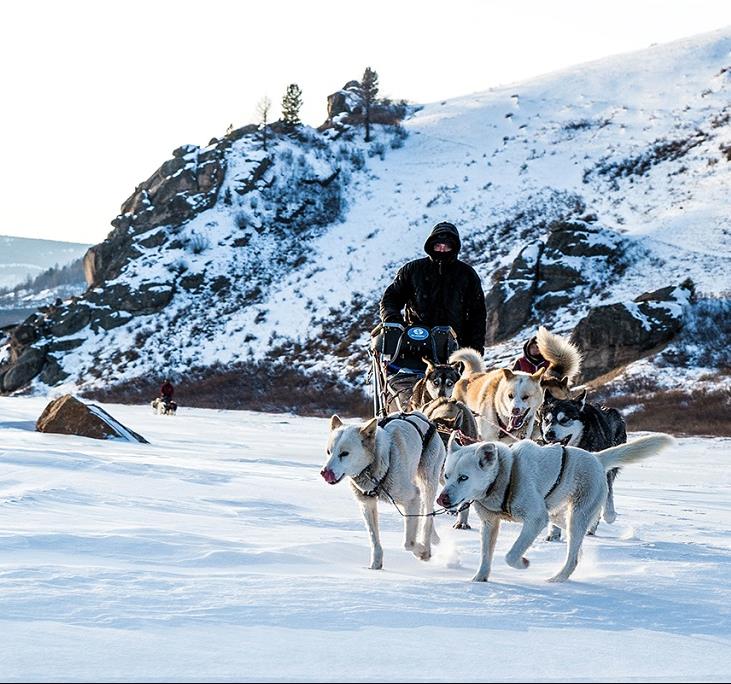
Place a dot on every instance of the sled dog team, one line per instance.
(567, 480)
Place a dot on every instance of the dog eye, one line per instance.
(525, 397)
(436, 381)
(511, 396)
(449, 382)
(462, 478)
(343, 454)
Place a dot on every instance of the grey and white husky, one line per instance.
(400, 462)
(438, 381)
(533, 484)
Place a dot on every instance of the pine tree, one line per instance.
(291, 103)
(262, 112)
(369, 91)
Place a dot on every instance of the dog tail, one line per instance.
(472, 360)
(635, 450)
(565, 357)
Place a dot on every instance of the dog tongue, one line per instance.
(515, 423)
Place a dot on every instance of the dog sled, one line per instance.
(397, 354)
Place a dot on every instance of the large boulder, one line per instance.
(615, 335)
(576, 260)
(69, 416)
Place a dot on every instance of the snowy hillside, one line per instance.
(230, 254)
(217, 552)
(23, 258)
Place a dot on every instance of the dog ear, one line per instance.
(581, 400)
(537, 375)
(486, 454)
(564, 384)
(335, 422)
(509, 375)
(453, 444)
(368, 431)
(548, 397)
(457, 366)
(429, 364)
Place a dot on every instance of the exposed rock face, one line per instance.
(181, 188)
(346, 106)
(573, 263)
(347, 100)
(617, 334)
(69, 416)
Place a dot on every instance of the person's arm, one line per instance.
(395, 297)
(477, 315)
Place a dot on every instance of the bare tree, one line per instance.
(262, 113)
(369, 90)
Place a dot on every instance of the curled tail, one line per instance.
(565, 357)
(635, 450)
(472, 360)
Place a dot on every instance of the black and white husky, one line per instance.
(576, 422)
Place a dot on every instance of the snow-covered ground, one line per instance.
(217, 552)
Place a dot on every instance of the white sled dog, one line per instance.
(506, 402)
(531, 484)
(403, 459)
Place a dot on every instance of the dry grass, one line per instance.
(681, 412)
(251, 386)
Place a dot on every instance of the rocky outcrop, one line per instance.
(346, 106)
(69, 416)
(572, 264)
(615, 335)
(181, 188)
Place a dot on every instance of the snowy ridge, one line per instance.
(640, 141)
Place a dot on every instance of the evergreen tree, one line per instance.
(369, 91)
(262, 112)
(291, 104)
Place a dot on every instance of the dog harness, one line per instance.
(564, 457)
(508, 494)
(425, 439)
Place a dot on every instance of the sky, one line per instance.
(96, 95)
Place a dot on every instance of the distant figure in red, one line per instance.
(532, 359)
(167, 390)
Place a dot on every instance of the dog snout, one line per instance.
(443, 500)
(328, 475)
(517, 410)
(551, 436)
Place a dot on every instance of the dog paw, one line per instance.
(518, 563)
(376, 566)
(462, 526)
(610, 517)
(557, 578)
(554, 537)
(421, 552)
(479, 578)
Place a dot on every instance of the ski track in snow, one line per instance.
(217, 551)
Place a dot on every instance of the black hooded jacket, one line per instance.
(439, 291)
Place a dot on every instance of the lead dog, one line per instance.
(402, 462)
(506, 402)
(532, 484)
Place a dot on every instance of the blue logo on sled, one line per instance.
(418, 334)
